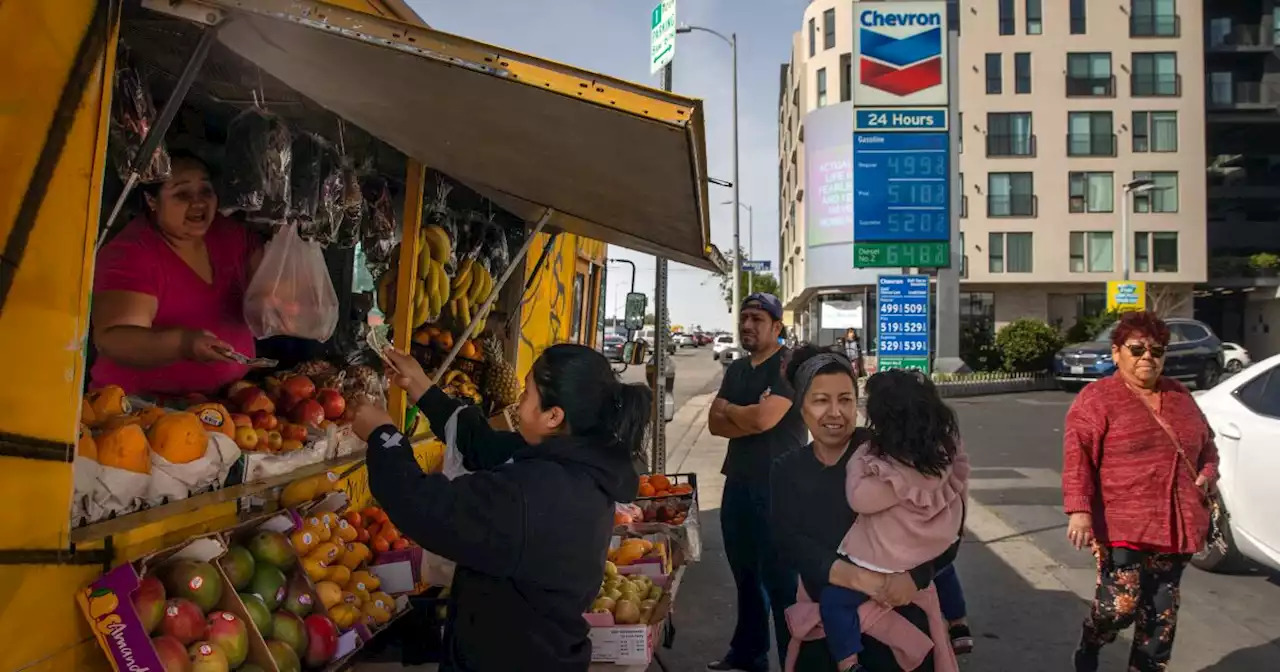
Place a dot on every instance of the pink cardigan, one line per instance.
(909, 645)
(905, 518)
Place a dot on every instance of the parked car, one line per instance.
(647, 335)
(612, 347)
(682, 340)
(722, 343)
(1235, 357)
(1244, 412)
(1195, 356)
(701, 338)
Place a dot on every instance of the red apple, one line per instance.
(265, 420)
(322, 640)
(333, 402)
(247, 438)
(241, 420)
(183, 621)
(173, 655)
(293, 432)
(253, 399)
(298, 387)
(308, 412)
(149, 602)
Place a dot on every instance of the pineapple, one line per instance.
(502, 386)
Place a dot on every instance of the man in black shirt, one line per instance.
(754, 411)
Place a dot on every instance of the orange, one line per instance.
(149, 415)
(422, 337)
(445, 340)
(381, 545)
(85, 445)
(179, 438)
(660, 482)
(646, 490)
(682, 489)
(118, 421)
(620, 518)
(108, 402)
(468, 350)
(125, 448)
(87, 415)
(215, 418)
(628, 554)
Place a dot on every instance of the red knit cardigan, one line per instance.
(1121, 467)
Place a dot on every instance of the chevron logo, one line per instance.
(901, 66)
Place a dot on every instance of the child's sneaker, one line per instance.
(961, 639)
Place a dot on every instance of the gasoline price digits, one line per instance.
(918, 194)
(930, 165)
(917, 222)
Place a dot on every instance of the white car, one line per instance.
(682, 340)
(1244, 412)
(1235, 358)
(723, 342)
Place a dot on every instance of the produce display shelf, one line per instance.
(119, 525)
(349, 661)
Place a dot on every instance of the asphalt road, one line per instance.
(696, 373)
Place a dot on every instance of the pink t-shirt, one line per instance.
(139, 260)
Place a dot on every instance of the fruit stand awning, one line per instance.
(616, 161)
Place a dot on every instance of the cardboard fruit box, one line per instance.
(629, 644)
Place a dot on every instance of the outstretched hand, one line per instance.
(406, 373)
(367, 417)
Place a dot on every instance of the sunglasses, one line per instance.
(1138, 350)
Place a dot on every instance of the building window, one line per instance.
(1155, 74)
(964, 206)
(1090, 134)
(829, 29)
(1006, 17)
(1009, 134)
(1153, 18)
(1011, 195)
(1089, 74)
(1162, 197)
(960, 132)
(1009, 253)
(1035, 20)
(1090, 304)
(1155, 252)
(846, 77)
(822, 87)
(813, 37)
(1155, 131)
(1092, 252)
(1091, 192)
(977, 311)
(995, 78)
(1022, 72)
(1077, 17)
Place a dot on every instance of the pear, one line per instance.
(655, 593)
(626, 613)
(604, 603)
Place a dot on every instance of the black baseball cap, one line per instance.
(766, 302)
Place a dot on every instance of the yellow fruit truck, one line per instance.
(585, 159)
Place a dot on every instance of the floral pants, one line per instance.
(1140, 589)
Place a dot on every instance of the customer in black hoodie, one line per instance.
(529, 537)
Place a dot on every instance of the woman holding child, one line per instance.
(875, 565)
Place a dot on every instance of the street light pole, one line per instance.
(751, 243)
(736, 309)
(1134, 187)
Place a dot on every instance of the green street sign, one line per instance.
(902, 255)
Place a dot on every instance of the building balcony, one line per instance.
(1091, 87)
(1013, 205)
(1011, 145)
(1243, 96)
(1155, 26)
(1241, 39)
(1155, 85)
(1260, 188)
(1092, 144)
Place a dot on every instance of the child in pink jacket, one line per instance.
(908, 487)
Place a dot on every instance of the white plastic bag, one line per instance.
(291, 294)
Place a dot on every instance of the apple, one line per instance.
(246, 438)
(290, 445)
(237, 387)
(333, 403)
(183, 621)
(308, 412)
(262, 438)
(253, 399)
(272, 385)
(298, 387)
(241, 420)
(265, 420)
(322, 640)
(293, 432)
(274, 441)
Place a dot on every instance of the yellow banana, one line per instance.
(440, 245)
(464, 312)
(477, 285)
(419, 309)
(424, 257)
(462, 281)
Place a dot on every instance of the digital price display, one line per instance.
(902, 319)
(901, 189)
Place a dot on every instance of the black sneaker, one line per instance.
(1085, 660)
(961, 639)
(727, 664)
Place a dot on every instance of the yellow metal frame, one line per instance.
(407, 278)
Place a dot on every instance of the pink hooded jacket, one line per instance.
(905, 518)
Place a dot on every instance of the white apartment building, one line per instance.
(1062, 103)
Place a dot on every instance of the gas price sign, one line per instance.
(903, 322)
(901, 189)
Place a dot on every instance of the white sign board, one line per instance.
(842, 314)
(900, 53)
(662, 35)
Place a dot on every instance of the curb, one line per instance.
(980, 388)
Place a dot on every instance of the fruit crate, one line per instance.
(431, 357)
(690, 480)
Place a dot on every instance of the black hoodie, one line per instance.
(529, 537)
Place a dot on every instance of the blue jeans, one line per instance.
(763, 583)
(950, 594)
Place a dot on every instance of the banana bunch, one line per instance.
(434, 249)
(468, 291)
(386, 286)
(459, 385)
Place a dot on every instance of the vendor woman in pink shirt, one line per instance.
(168, 291)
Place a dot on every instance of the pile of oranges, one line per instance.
(659, 485)
(375, 529)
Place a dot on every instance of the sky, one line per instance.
(612, 37)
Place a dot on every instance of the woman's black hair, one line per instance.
(806, 351)
(152, 189)
(910, 422)
(596, 404)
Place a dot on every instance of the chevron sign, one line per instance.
(901, 52)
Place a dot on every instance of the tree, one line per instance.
(1166, 300)
(650, 320)
(760, 282)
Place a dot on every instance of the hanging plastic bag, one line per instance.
(291, 294)
(497, 255)
(258, 163)
(378, 229)
(133, 114)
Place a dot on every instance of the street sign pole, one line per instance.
(947, 356)
(662, 48)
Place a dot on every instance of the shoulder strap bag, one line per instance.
(1218, 518)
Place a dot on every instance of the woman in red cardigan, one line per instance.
(1138, 459)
